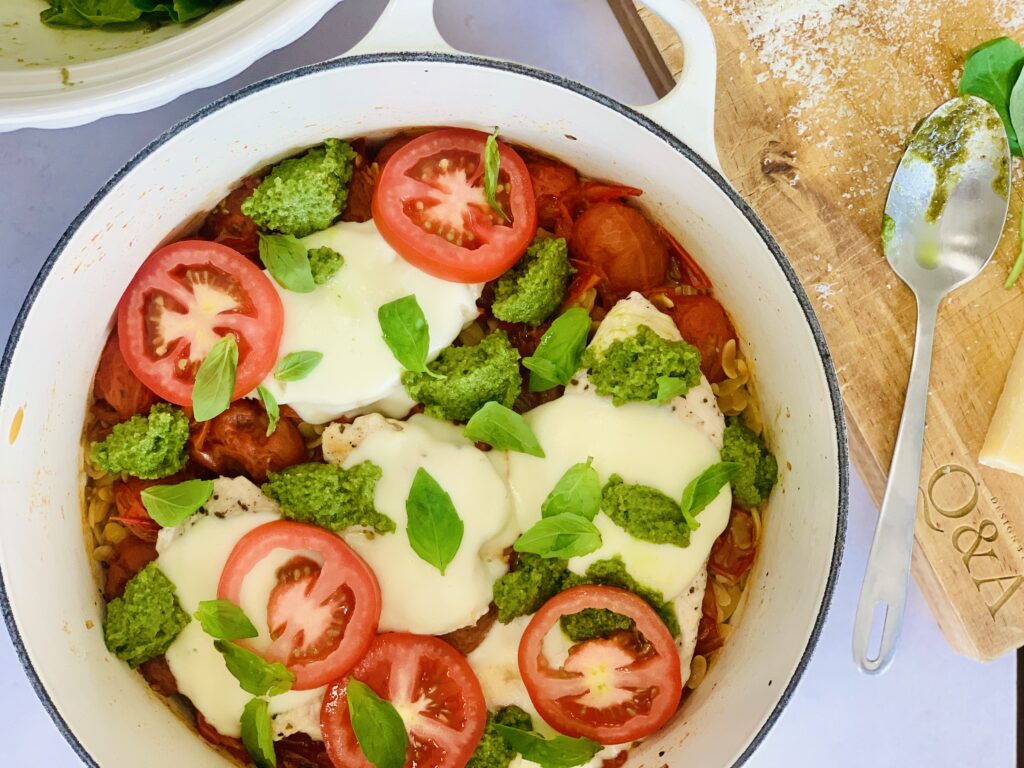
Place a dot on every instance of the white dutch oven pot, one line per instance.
(50, 601)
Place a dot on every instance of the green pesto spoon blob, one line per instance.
(943, 219)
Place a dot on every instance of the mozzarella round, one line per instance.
(192, 556)
(339, 319)
(416, 596)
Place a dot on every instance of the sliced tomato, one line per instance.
(236, 443)
(183, 299)
(434, 688)
(620, 242)
(430, 207)
(702, 321)
(612, 690)
(117, 386)
(322, 613)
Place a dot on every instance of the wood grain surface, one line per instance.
(815, 103)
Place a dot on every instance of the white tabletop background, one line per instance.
(933, 708)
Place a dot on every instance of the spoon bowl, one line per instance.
(943, 219)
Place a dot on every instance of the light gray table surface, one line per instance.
(933, 708)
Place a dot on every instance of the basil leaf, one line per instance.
(255, 674)
(287, 261)
(89, 13)
(492, 164)
(171, 505)
(991, 71)
(215, 380)
(557, 357)
(670, 387)
(504, 429)
(257, 733)
(379, 728)
(297, 365)
(434, 527)
(577, 491)
(558, 752)
(273, 411)
(562, 536)
(1016, 109)
(405, 332)
(223, 620)
(703, 489)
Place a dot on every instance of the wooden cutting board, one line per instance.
(816, 99)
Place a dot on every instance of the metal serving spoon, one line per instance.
(945, 213)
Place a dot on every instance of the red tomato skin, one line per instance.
(504, 245)
(258, 329)
(537, 679)
(236, 443)
(396, 648)
(227, 225)
(131, 555)
(619, 242)
(117, 386)
(702, 321)
(342, 567)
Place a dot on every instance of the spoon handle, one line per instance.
(884, 594)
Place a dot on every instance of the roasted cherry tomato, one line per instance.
(425, 679)
(236, 443)
(183, 299)
(430, 207)
(322, 614)
(227, 225)
(549, 176)
(733, 552)
(612, 690)
(620, 242)
(117, 386)
(702, 322)
(131, 555)
(131, 512)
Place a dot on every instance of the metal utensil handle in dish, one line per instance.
(943, 222)
(687, 111)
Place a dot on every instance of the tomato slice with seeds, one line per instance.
(323, 610)
(612, 690)
(184, 298)
(430, 684)
(429, 205)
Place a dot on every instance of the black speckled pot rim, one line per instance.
(524, 71)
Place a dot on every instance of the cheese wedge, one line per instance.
(1004, 443)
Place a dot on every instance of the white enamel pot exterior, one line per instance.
(49, 597)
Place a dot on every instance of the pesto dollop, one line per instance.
(324, 263)
(524, 590)
(758, 472)
(644, 513)
(493, 751)
(304, 194)
(143, 623)
(535, 287)
(329, 496)
(472, 376)
(629, 369)
(147, 447)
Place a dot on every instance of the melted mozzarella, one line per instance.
(339, 319)
(416, 596)
(192, 556)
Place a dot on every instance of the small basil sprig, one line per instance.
(405, 331)
(504, 429)
(378, 727)
(255, 674)
(271, 406)
(557, 357)
(296, 366)
(215, 380)
(492, 165)
(287, 261)
(171, 505)
(577, 491)
(557, 752)
(223, 620)
(670, 387)
(257, 733)
(562, 536)
(434, 526)
(703, 489)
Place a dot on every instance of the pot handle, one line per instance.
(688, 110)
(404, 25)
